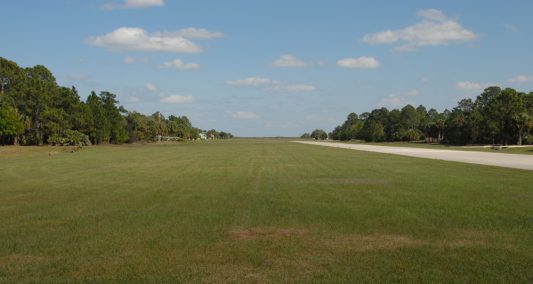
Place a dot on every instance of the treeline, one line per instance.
(35, 110)
(317, 134)
(213, 134)
(495, 117)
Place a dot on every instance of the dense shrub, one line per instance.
(70, 138)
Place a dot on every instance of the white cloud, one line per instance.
(288, 60)
(180, 65)
(134, 4)
(433, 15)
(361, 62)
(150, 92)
(177, 99)
(244, 115)
(192, 33)
(300, 88)
(128, 60)
(434, 29)
(520, 79)
(137, 39)
(297, 88)
(151, 87)
(250, 81)
(472, 86)
(398, 100)
(272, 85)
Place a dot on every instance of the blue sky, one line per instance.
(274, 68)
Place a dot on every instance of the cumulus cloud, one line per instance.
(244, 115)
(250, 81)
(180, 65)
(520, 79)
(288, 60)
(151, 87)
(300, 88)
(472, 86)
(150, 92)
(177, 99)
(192, 33)
(432, 14)
(137, 39)
(364, 62)
(272, 85)
(434, 29)
(297, 88)
(133, 4)
(398, 100)
(128, 60)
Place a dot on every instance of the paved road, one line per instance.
(516, 161)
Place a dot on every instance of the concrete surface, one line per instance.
(516, 161)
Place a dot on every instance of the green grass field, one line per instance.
(259, 211)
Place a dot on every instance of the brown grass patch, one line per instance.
(16, 263)
(21, 258)
(465, 238)
(362, 243)
(242, 234)
(353, 242)
(352, 181)
(460, 243)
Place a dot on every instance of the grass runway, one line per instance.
(253, 211)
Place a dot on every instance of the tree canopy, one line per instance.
(319, 134)
(35, 110)
(496, 116)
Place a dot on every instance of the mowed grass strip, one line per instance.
(259, 211)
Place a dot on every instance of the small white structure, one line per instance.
(203, 136)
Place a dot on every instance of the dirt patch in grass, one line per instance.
(352, 242)
(353, 181)
(460, 243)
(364, 243)
(16, 263)
(19, 258)
(466, 238)
(242, 234)
(361, 243)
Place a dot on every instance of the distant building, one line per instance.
(203, 136)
